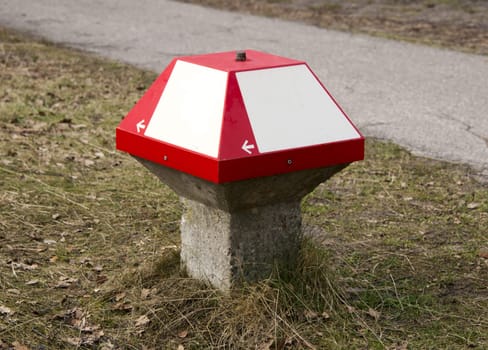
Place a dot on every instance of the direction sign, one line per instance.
(223, 119)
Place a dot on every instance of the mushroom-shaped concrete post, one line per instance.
(241, 139)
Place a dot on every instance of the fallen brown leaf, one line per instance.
(142, 321)
(65, 282)
(310, 315)
(19, 346)
(71, 314)
(76, 341)
(22, 266)
(6, 311)
(120, 296)
(399, 346)
(374, 314)
(93, 338)
(483, 253)
(87, 340)
(122, 306)
(145, 293)
(90, 329)
(183, 334)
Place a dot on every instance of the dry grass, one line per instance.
(396, 256)
(456, 24)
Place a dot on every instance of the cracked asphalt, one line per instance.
(432, 101)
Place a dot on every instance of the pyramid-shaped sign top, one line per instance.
(223, 119)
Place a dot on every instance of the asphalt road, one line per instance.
(432, 101)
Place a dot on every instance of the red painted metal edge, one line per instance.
(297, 159)
(216, 171)
(168, 155)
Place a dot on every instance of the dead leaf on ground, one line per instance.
(142, 321)
(483, 253)
(180, 347)
(122, 306)
(183, 334)
(144, 347)
(65, 282)
(84, 327)
(145, 293)
(22, 266)
(6, 311)
(90, 334)
(374, 314)
(120, 296)
(473, 205)
(19, 346)
(76, 341)
(310, 315)
(399, 346)
(74, 313)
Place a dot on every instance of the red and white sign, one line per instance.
(225, 120)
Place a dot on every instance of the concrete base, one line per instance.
(225, 248)
(240, 230)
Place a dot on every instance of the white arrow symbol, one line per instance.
(247, 147)
(140, 125)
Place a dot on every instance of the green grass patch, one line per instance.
(395, 255)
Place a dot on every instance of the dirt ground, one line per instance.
(456, 24)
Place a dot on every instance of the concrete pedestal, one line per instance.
(239, 231)
(225, 248)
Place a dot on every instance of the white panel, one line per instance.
(288, 108)
(189, 112)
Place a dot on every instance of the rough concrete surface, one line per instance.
(225, 248)
(432, 101)
(245, 194)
